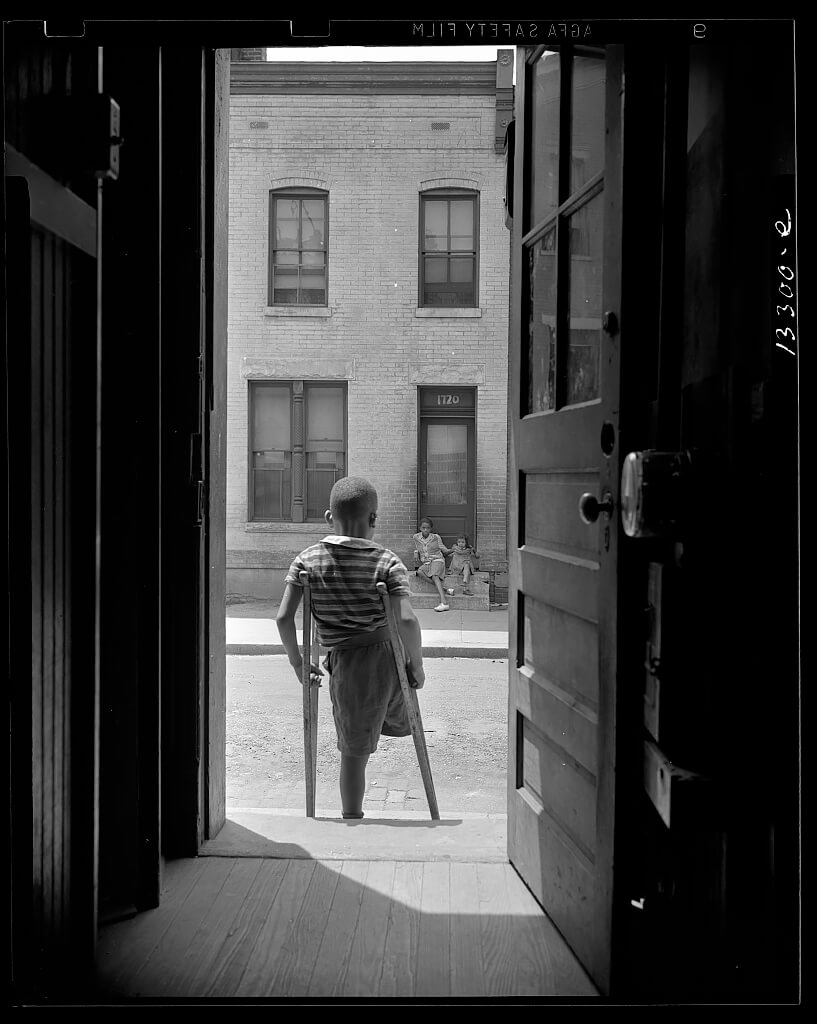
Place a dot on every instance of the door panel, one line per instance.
(564, 389)
(447, 476)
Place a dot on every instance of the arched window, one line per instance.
(449, 234)
(299, 230)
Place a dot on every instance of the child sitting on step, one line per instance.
(462, 561)
(344, 569)
(429, 559)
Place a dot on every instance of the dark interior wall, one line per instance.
(131, 496)
(729, 875)
(52, 372)
(106, 425)
(719, 884)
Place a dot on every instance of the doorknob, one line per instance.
(590, 508)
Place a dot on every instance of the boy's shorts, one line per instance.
(434, 568)
(367, 701)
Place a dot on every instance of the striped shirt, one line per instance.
(343, 573)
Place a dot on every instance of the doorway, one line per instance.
(447, 461)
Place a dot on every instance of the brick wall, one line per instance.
(373, 154)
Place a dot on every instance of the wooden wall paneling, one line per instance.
(23, 570)
(37, 558)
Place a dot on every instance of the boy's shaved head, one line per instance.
(352, 498)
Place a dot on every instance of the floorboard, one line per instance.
(366, 954)
(433, 958)
(240, 940)
(201, 958)
(329, 976)
(496, 929)
(294, 967)
(399, 974)
(244, 928)
(157, 975)
(467, 975)
(271, 944)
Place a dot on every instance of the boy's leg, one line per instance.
(352, 784)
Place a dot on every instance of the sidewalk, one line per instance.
(251, 629)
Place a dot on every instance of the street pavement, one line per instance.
(464, 710)
(251, 629)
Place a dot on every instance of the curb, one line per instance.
(428, 652)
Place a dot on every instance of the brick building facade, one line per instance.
(368, 305)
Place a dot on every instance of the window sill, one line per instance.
(297, 311)
(436, 312)
(318, 529)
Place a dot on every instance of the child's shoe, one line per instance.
(449, 590)
(441, 608)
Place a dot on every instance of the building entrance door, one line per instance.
(447, 462)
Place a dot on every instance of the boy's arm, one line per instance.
(285, 620)
(409, 629)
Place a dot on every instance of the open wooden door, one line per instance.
(564, 365)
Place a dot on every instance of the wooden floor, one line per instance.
(250, 927)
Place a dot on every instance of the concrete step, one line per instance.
(420, 585)
(424, 593)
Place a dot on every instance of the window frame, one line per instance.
(297, 488)
(450, 193)
(299, 193)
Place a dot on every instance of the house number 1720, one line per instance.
(448, 399)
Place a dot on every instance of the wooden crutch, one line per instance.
(310, 702)
(412, 704)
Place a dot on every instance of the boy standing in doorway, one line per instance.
(344, 569)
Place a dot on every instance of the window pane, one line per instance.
(270, 418)
(545, 137)
(286, 223)
(311, 278)
(447, 464)
(285, 285)
(446, 295)
(461, 270)
(324, 414)
(436, 224)
(587, 128)
(435, 270)
(286, 258)
(542, 323)
(312, 259)
(272, 492)
(312, 224)
(585, 302)
(462, 224)
(322, 470)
